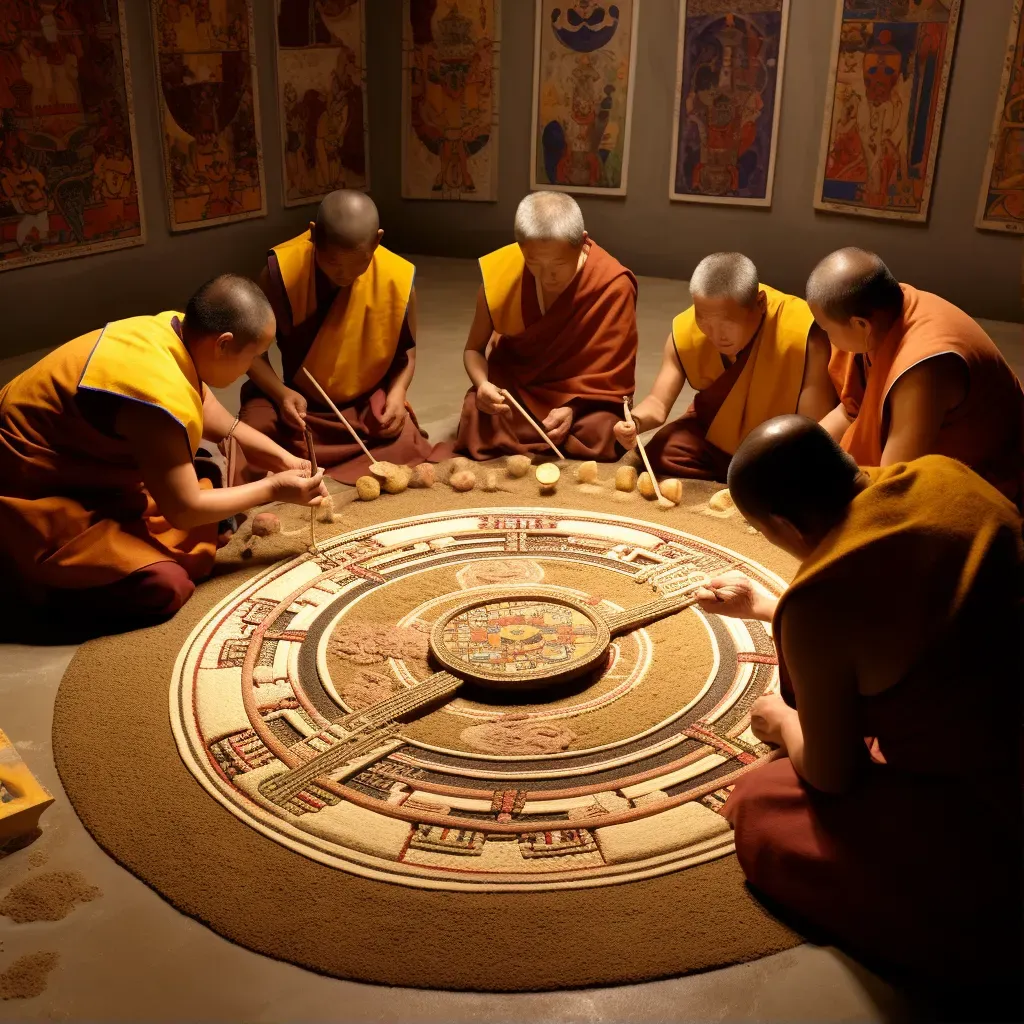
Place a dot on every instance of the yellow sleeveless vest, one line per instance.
(359, 337)
(771, 379)
(143, 359)
(502, 273)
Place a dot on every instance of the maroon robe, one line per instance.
(580, 354)
(336, 451)
(681, 448)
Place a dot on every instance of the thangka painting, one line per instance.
(1001, 207)
(209, 112)
(68, 182)
(584, 62)
(883, 115)
(450, 65)
(728, 100)
(321, 81)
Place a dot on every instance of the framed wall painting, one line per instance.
(883, 113)
(321, 88)
(583, 72)
(209, 112)
(728, 100)
(1001, 205)
(450, 66)
(69, 183)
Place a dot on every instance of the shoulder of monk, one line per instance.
(601, 261)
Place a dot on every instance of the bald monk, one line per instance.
(555, 325)
(891, 819)
(102, 515)
(749, 351)
(915, 375)
(346, 312)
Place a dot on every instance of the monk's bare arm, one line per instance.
(260, 451)
(404, 377)
(158, 444)
(655, 408)
(837, 422)
(918, 403)
(817, 395)
(488, 398)
(290, 403)
(821, 738)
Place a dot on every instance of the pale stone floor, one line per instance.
(131, 956)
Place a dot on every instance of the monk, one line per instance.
(555, 326)
(102, 515)
(891, 818)
(749, 351)
(915, 375)
(346, 313)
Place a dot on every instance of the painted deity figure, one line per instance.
(878, 81)
(24, 187)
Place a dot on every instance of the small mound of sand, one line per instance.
(48, 897)
(26, 977)
(366, 688)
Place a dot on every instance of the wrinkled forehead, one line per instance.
(549, 254)
(722, 308)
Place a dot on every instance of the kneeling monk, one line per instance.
(915, 375)
(555, 325)
(749, 351)
(102, 514)
(346, 312)
(884, 824)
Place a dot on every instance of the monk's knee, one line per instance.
(158, 591)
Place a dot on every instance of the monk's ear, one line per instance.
(585, 238)
(225, 344)
(861, 327)
(786, 535)
(762, 302)
(380, 235)
(312, 231)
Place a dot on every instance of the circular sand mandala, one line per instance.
(491, 700)
(471, 743)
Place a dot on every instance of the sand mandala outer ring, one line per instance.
(258, 728)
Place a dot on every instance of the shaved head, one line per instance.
(854, 283)
(229, 304)
(790, 467)
(347, 220)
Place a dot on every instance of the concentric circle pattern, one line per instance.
(309, 705)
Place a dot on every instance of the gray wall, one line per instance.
(981, 271)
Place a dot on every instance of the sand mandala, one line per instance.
(481, 700)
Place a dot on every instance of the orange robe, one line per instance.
(919, 864)
(354, 341)
(581, 353)
(985, 432)
(73, 510)
(763, 381)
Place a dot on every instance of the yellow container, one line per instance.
(22, 798)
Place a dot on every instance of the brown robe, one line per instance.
(580, 354)
(919, 864)
(336, 451)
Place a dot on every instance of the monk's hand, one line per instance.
(297, 487)
(731, 595)
(292, 408)
(625, 434)
(490, 400)
(393, 419)
(767, 715)
(557, 424)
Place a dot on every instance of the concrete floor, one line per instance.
(130, 956)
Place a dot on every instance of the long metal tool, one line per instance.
(662, 500)
(533, 423)
(337, 412)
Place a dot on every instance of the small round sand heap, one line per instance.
(625, 479)
(265, 524)
(367, 488)
(393, 479)
(586, 473)
(518, 465)
(463, 480)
